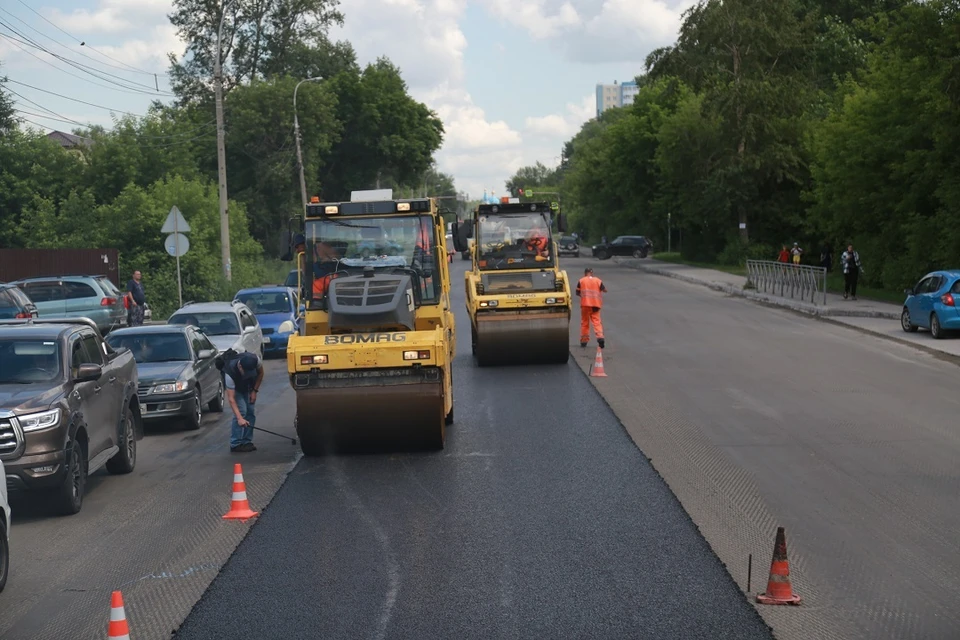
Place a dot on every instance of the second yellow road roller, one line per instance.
(371, 362)
(518, 298)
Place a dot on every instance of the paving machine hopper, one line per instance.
(371, 362)
(518, 299)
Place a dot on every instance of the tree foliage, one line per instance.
(359, 128)
(769, 123)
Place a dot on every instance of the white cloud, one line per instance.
(595, 31)
(478, 152)
(564, 125)
(111, 17)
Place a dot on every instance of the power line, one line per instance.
(73, 75)
(83, 43)
(89, 104)
(102, 75)
(67, 47)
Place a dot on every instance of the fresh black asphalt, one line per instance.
(540, 519)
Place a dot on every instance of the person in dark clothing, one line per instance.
(243, 376)
(850, 261)
(137, 298)
(826, 257)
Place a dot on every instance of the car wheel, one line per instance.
(576, 255)
(935, 329)
(68, 498)
(602, 255)
(637, 253)
(126, 459)
(4, 554)
(193, 420)
(905, 322)
(216, 405)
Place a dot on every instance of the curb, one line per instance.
(792, 305)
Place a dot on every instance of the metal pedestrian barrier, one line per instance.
(785, 278)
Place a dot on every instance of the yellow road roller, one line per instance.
(517, 296)
(371, 361)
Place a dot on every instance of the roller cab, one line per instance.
(371, 363)
(517, 297)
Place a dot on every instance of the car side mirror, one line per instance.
(205, 354)
(909, 292)
(88, 372)
(249, 329)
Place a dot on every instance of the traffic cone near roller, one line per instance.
(118, 629)
(596, 369)
(779, 589)
(239, 506)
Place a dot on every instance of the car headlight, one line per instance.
(41, 420)
(287, 326)
(180, 385)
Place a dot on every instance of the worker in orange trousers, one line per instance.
(591, 290)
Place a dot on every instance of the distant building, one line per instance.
(615, 95)
(69, 141)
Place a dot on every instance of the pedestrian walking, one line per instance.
(850, 260)
(591, 290)
(796, 252)
(784, 255)
(137, 299)
(243, 376)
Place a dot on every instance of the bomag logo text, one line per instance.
(521, 295)
(365, 338)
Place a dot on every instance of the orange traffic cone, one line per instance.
(239, 506)
(118, 629)
(779, 590)
(596, 369)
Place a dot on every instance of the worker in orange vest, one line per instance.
(591, 290)
(536, 241)
(323, 269)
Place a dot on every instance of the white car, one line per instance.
(229, 325)
(4, 530)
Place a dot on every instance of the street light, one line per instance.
(296, 136)
(669, 235)
(222, 153)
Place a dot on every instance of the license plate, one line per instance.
(266, 341)
(143, 409)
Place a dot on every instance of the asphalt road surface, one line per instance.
(155, 534)
(758, 417)
(540, 519)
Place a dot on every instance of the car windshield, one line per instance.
(29, 361)
(568, 240)
(153, 347)
(211, 323)
(514, 241)
(263, 302)
(389, 244)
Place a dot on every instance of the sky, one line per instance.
(512, 80)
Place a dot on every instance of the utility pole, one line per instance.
(222, 155)
(296, 136)
(669, 235)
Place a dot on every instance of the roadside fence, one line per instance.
(785, 278)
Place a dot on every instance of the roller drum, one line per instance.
(522, 338)
(404, 416)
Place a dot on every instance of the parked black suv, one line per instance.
(636, 246)
(68, 406)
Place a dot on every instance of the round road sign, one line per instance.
(176, 244)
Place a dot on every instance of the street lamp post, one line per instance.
(222, 154)
(296, 136)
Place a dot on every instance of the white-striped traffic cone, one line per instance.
(118, 629)
(239, 506)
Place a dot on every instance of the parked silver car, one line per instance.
(229, 325)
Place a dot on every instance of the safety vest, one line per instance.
(589, 288)
(538, 243)
(321, 284)
(423, 239)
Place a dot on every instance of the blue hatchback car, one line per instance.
(276, 311)
(934, 304)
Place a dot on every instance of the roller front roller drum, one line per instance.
(522, 338)
(331, 420)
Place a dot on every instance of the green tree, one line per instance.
(261, 39)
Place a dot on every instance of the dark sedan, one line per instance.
(636, 246)
(178, 372)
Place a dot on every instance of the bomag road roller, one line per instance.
(371, 361)
(517, 296)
